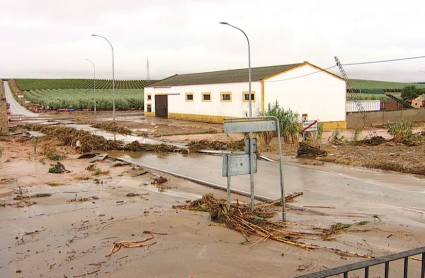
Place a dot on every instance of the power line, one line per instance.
(384, 61)
(351, 64)
(301, 75)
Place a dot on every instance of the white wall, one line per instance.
(321, 95)
(236, 108)
(368, 105)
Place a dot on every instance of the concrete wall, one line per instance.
(321, 95)
(4, 122)
(210, 111)
(384, 117)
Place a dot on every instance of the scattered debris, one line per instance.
(162, 148)
(130, 244)
(118, 164)
(132, 194)
(20, 204)
(96, 171)
(69, 135)
(83, 199)
(87, 155)
(239, 217)
(113, 127)
(58, 168)
(137, 172)
(195, 146)
(39, 195)
(98, 157)
(374, 141)
(91, 167)
(308, 151)
(54, 184)
(159, 180)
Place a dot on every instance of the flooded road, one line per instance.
(70, 233)
(15, 108)
(338, 190)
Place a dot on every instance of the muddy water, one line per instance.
(351, 192)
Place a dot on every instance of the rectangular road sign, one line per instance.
(309, 126)
(249, 126)
(238, 164)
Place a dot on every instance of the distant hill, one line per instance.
(361, 84)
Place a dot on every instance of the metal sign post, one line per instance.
(241, 164)
(310, 126)
(228, 182)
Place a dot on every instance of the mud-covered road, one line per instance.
(15, 108)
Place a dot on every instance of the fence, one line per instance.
(384, 117)
(373, 262)
(368, 105)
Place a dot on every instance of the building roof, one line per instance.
(224, 76)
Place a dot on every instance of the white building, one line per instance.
(214, 96)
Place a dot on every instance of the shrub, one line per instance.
(288, 120)
(400, 130)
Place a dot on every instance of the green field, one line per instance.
(361, 96)
(83, 98)
(381, 85)
(39, 84)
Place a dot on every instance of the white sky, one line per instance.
(51, 38)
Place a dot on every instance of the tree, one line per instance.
(409, 92)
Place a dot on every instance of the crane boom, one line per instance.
(369, 127)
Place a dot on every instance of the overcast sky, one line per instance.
(51, 38)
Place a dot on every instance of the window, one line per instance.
(149, 97)
(189, 96)
(149, 108)
(245, 97)
(225, 96)
(206, 96)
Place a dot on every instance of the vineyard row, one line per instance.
(84, 98)
(42, 84)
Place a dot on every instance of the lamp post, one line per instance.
(113, 76)
(251, 156)
(94, 86)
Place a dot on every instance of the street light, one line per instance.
(94, 85)
(251, 156)
(113, 76)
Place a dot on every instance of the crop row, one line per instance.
(387, 86)
(84, 98)
(40, 84)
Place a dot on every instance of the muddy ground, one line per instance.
(69, 233)
(390, 155)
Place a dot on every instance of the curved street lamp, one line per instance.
(251, 148)
(94, 85)
(113, 76)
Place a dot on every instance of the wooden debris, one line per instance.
(319, 207)
(130, 244)
(239, 217)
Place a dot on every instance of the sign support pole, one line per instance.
(228, 182)
(282, 189)
(252, 124)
